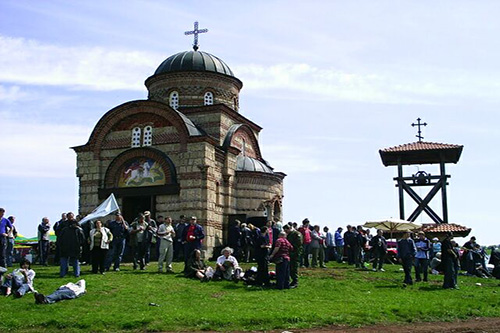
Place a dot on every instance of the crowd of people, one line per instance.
(289, 246)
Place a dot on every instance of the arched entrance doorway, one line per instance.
(137, 176)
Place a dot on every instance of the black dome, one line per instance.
(194, 61)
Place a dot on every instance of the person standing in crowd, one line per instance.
(467, 255)
(281, 256)
(166, 233)
(406, 253)
(435, 247)
(192, 237)
(58, 226)
(100, 237)
(234, 238)
(67, 291)
(295, 238)
(423, 246)
(11, 239)
(329, 245)
(72, 241)
(448, 260)
(270, 233)
(379, 250)
(262, 248)
(159, 221)
(150, 236)
(119, 229)
(246, 242)
(139, 241)
(86, 228)
(179, 243)
(350, 240)
(5, 226)
(367, 248)
(43, 240)
(20, 281)
(306, 239)
(359, 246)
(339, 245)
(317, 247)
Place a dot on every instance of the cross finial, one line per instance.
(195, 32)
(419, 124)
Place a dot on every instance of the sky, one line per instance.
(330, 82)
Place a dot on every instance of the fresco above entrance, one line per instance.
(141, 172)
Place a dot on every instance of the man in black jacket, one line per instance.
(379, 250)
(72, 240)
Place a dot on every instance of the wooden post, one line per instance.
(401, 191)
(443, 192)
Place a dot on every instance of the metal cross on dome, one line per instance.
(419, 124)
(195, 32)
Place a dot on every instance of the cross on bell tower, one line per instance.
(195, 32)
(419, 124)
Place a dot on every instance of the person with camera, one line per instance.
(119, 229)
(139, 241)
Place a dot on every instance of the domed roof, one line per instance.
(245, 163)
(194, 61)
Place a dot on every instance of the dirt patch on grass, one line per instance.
(472, 325)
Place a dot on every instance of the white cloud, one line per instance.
(389, 84)
(11, 94)
(30, 62)
(39, 150)
(25, 61)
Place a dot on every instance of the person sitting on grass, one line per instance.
(227, 266)
(495, 261)
(196, 267)
(436, 266)
(67, 291)
(20, 281)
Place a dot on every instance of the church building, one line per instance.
(186, 150)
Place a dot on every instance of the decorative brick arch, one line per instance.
(246, 132)
(119, 113)
(113, 172)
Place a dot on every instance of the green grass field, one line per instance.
(338, 295)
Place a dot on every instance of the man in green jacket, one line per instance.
(295, 238)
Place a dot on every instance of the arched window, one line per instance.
(217, 194)
(209, 98)
(174, 100)
(235, 103)
(136, 137)
(148, 136)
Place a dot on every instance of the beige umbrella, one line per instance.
(392, 225)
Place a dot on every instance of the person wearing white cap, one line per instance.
(227, 266)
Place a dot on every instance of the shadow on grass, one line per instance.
(394, 286)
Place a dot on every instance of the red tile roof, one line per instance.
(444, 227)
(421, 153)
(420, 145)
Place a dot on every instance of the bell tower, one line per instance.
(422, 153)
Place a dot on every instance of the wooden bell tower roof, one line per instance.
(421, 153)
